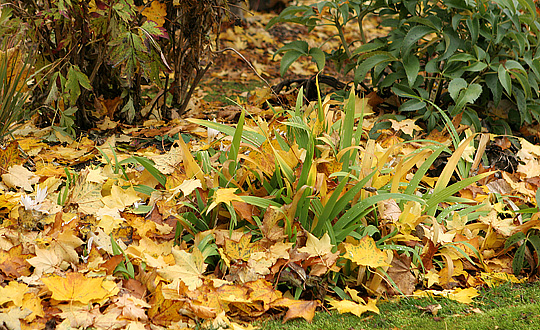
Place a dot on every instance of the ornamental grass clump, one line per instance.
(15, 73)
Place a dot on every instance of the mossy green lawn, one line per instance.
(507, 307)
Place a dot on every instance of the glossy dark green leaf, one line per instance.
(414, 34)
(319, 57)
(412, 67)
(289, 58)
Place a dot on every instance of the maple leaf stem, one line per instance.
(361, 275)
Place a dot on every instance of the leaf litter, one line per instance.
(94, 237)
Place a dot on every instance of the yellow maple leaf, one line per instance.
(156, 12)
(65, 244)
(69, 154)
(45, 261)
(497, 278)
(522, 187)
(33, 303)
(316, 247)
(95, 176)
(432, 278)
(11, 319)
(150, 247)
(189, 268)
(141, 224)
(365, 253)
(463, 296)
(407, 126)
(188, 186)
(86, 194)
(354, 295)
(279, 250)
(241, 250)
(132, 307)
(19, 176)
(504, 227)
(13, 292)
(224, 195)
(347, 306)
(120, 198)
(410, 217)
(166, 163)
(264, 291)
(76, 287)
(457, 223)
(528, 150)
(109, 223)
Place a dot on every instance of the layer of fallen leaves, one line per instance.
(61, 263)
(81, 247)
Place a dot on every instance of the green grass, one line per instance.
(506, 307)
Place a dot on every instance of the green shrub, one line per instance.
(107, 50)
(93, 48)
(450, 53)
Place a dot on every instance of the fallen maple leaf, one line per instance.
(76, 287)
(19, 176)
(45, 261)
(188, 186)
(497, 278)
(432, 309)
(12, 318)
(241, 249)
(132, 308)
(224, 195)
(347, 306)
(188, 269)
(13, 262)
(316, 247)
(120, 198)
(297, 308)
(463, 296)
(32, 302)
(86, 194)
(156, 13)
(64, 246)
(407, 126)
(108, 320)
(401, 274)
(78, 317)
(163, 311)
(245, 211)
(365, 253)
(10, 155)
(504, 227)
(95, 176)
(132, 325)
(432, 278)
(13, 292)
(262, 290)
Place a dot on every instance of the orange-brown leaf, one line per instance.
(297, 308)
